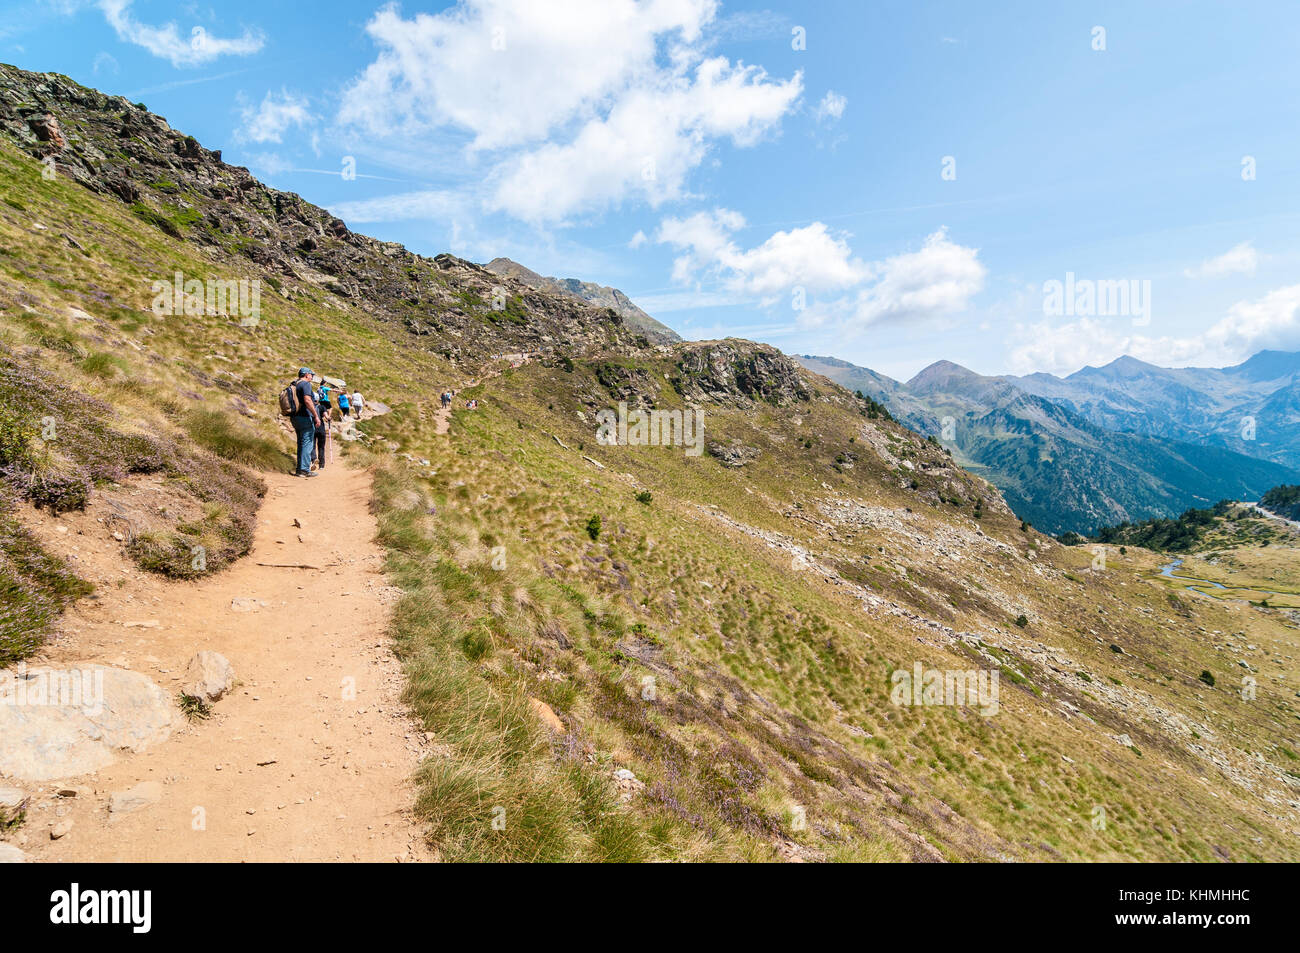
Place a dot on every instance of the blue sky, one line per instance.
(903, 188)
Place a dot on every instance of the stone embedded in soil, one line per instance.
(133, 799)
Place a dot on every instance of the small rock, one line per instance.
(12, 799)
(239, 604)
(209, 676)
(60, 830)
(628, 784)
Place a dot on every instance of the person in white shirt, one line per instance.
(358, 404)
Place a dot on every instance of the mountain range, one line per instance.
(1108, 445)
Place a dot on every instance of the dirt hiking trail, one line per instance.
(308, 758)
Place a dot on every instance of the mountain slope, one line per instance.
(591, 293)
(1057, 468)
(637, 652)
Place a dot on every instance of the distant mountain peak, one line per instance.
(941, 374)
(1122, 366)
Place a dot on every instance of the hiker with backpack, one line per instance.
(298, 404)
(345, 402)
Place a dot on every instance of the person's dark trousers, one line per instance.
(320, 449)
(305, 428)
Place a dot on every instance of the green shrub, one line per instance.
(216, 431)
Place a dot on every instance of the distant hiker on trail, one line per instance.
(306, 418)
(345, 403)
(446, 399)
(358, 404)
(325, 398)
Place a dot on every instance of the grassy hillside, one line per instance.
(632, 652)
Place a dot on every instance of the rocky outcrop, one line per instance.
(592, 293)
(733, 456)
(738, 373)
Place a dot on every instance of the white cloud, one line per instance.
(939, 279)
(273, 117)
(104, 61)
(167, 42)
(637, 240)
(1272, 321)
(510, 71)
(936, 281)
(831, 106)
(578, 106)
(1239, 260)
(808, 257)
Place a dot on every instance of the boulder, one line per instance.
(208, 677)
(60, 723)
(10, 854)
(12, 800)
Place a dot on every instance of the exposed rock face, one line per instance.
(46, 129)
(48, 737)
(590, 292)
(734, 456)
(735, 371)
(209, 676)
(11, 855)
